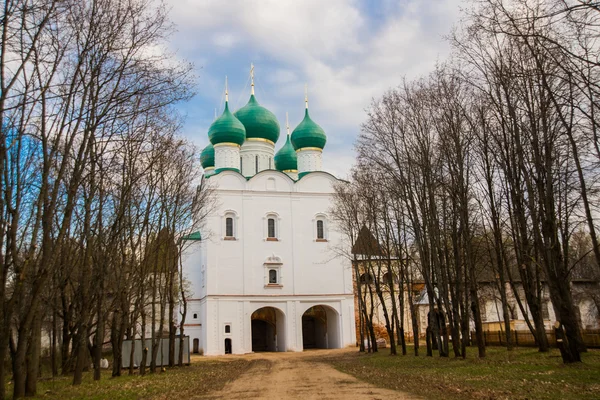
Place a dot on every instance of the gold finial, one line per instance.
(287, 123)
(226, 92)
(252, 78)
(306, 94)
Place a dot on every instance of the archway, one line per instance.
(268, 330)
(320, 328)
(196, 346)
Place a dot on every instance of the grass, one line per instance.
(523, 373)
(194, 381)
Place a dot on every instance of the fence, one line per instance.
(162, 357)
(591, 338)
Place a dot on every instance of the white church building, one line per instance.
(264, 273)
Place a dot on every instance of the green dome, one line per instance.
(308, 134)
(259, 122)
(227, 129)
(286, 158)
(207, 157)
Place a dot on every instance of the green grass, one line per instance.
(194, 381)
(520, 374)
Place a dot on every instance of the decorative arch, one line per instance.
(321, 227)
(273, 272)
(230, 225)
(271, 215)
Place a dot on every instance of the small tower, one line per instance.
(207, 160)
(309, 140)
(286, 159)
(226, 135)
(262, 132)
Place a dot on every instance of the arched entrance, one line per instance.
(320, 328)
(268, 330)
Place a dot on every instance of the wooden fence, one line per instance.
(591, 338)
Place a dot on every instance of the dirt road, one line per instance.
(299, 376)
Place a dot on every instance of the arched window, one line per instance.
(273, 276)
(320, 230)
(389, 278)
(229, 227)
(256, 164)
(195, 316)
(271, 228)
(366, 279)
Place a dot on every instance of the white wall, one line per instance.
(235, 273)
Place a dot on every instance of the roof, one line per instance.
(366, 244)
(193, 236)
(308, 134)
(259, 122)
(227, 129)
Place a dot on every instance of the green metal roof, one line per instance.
(227, 129)
(308, 134)
(207, 157)
(286, 158)
(258, 121)
(193, 236)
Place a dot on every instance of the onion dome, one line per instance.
(227, 129)
(207, 157)
(259, 122)
(286, 158)
(308, 134)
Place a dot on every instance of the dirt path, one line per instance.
(298, 376)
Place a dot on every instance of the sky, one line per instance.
(347, 52)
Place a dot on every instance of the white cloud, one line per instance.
(346, 53)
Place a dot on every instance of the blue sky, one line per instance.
(347, 52)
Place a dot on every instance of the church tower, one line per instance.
(262, 132)
(286, 159)
(226, 135)
(309, 140)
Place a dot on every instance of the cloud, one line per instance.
(347, 51)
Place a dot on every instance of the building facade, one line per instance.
(264, 273)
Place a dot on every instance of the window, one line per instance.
(320, 228)
(229, 227)
(273, 276)
(482, 311)
(227, 328)
(271, 227)
(273, 272)
(320, 232)
(195, 316)
(366, 279)
(389, 278)
(241, 166)
(513, 311)
(545, 310)
(256, 164)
